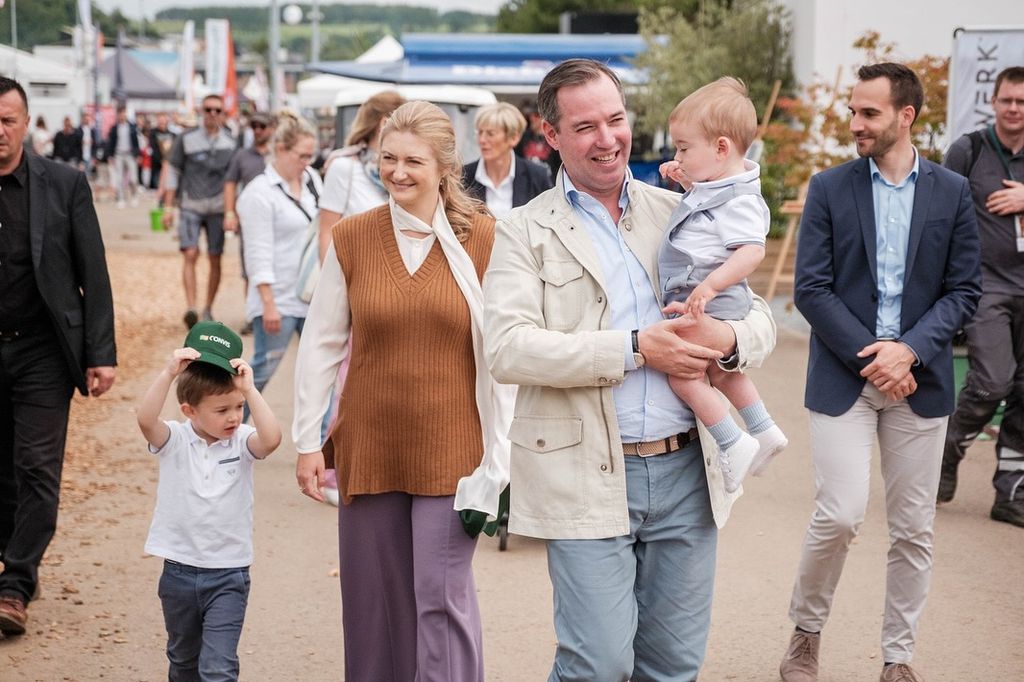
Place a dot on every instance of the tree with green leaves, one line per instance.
(541, 16)
(748, 39)
(43, 23)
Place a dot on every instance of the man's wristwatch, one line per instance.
(638, 357)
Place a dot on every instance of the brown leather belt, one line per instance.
(659, 447)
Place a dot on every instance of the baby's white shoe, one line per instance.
(735, 461)
(772, 441)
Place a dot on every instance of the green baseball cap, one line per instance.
(216, 343)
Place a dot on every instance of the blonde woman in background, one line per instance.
(501, 178)
(418, 413)
(276, 207)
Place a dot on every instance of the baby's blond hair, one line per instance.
(720, 109)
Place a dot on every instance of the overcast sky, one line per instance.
(132, 8)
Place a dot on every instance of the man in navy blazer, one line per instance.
(887, 271)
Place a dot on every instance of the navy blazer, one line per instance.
(531, 179)
(111, 147)
(836, 286)
(70, 265)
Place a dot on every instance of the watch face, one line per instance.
(639, 359)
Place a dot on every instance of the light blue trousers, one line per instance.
(638, 606)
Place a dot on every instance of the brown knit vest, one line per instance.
(407, 420)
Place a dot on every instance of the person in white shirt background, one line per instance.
(501, 178)
(276, 208)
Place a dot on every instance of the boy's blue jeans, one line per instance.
(203, 611)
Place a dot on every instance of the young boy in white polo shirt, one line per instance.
(715, 239)
(202, 524)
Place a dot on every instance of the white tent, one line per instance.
(54, 90)
(320, 91)
(384, 51)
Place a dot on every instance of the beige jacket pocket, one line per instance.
(547, 467)
(563, 294)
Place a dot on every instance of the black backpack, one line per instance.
(977, 138)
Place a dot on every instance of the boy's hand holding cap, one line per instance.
(217, 344)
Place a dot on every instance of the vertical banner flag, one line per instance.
(220, 63)
(84, 12)
(188, 66)
(979, 54)
(119, 92)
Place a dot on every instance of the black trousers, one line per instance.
(35, 397)
(995, 346)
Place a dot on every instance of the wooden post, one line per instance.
(793, 208)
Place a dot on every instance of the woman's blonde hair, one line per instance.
(369, 115)
(429, 123)
(290, 127)
(503, 116)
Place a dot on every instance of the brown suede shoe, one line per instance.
(801, 661)
(12, 616)
(899, 672)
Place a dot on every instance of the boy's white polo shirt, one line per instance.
(204, 500)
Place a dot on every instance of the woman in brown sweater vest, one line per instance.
(419, 410)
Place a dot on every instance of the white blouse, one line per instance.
(275, 232)
(347, 190)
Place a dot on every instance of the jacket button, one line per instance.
(602, 380)
(600, 299)
(628, 226)
(604, 467)
(708, 461)
(541, 442)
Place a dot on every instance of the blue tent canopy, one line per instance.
(492, 59)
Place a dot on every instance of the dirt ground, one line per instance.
(99, 617)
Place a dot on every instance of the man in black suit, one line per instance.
(56, 334)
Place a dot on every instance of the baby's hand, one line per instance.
(180, 359)
(671, 170)
(699, 298)
(243, 380)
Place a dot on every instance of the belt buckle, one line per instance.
(9, 336)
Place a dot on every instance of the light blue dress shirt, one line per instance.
(646, 407)
(894, 207)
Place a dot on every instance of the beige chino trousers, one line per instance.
(841, 450)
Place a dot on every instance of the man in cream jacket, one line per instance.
(606, 462)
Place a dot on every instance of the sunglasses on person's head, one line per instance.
(257, 126)
(212, 110)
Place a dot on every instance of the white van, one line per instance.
(460, 102)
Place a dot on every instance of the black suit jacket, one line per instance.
(531, 179)
(70, 265)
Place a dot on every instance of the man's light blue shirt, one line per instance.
(646, 407)
(894, 207)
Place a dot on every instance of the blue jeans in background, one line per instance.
(269, 349)
(204, 609)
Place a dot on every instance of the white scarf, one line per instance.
(495, 402)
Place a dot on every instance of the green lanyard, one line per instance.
(997, 145)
